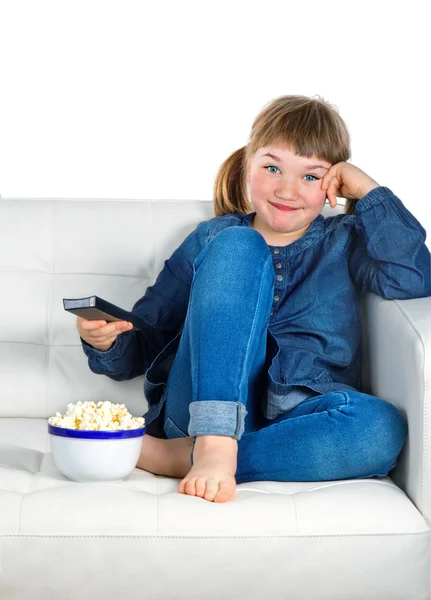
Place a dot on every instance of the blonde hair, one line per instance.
(307, 125)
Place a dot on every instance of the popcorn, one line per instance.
(103, 416)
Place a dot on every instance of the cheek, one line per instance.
(317, 197)
(315, 201)
(259, 183)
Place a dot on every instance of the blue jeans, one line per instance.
(218, 377)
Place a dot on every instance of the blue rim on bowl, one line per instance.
(96, 435)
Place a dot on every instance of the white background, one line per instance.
(132, 99)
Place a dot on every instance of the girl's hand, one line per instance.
(100, 334)
(346, 181)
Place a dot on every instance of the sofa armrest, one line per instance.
(397, 352)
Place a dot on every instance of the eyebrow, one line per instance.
(305, 166)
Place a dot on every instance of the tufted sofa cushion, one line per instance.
(140, 538)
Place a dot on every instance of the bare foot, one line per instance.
(165, 457)
(212, 476)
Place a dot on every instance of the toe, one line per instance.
(182, 486)
(226, 492)
(200, 486)
(211, 489)
(190, 487)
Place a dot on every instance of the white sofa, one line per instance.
(139, 538)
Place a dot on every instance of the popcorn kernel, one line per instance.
(104, 416)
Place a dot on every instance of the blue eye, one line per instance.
(274, 167)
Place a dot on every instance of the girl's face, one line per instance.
(290, 181)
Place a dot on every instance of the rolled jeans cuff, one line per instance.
(217, 417)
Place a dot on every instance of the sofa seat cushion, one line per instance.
(45, 517)
(36, 498)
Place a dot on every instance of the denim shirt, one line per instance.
(314, 342)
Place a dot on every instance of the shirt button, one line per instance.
(276, 298)
(279, 277)
(272, 312)
(276, 250)
(278, 265)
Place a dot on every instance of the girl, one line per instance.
(252, 355)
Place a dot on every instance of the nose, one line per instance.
(287, 191)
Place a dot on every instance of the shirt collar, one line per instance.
(313, 232)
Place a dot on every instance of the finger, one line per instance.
(332, 192)
(108, 337)
(329, 193)
(329, 182)
(113, 328)
(90, 324)
(326, 180)
(105, 339)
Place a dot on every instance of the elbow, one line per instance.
(415, 285)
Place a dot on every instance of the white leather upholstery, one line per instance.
(139, 538)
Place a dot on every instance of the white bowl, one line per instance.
(92, 456)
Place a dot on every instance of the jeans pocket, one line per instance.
(172, 430)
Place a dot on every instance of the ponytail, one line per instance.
(230, 188)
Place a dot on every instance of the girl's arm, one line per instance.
(163, 307)
(390, 257)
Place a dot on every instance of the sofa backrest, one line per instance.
(52, 249)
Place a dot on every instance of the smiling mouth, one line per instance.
(283, 208)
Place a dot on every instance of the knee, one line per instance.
(384, 429)
(395, 432)
(241, 239)
(236, 245)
